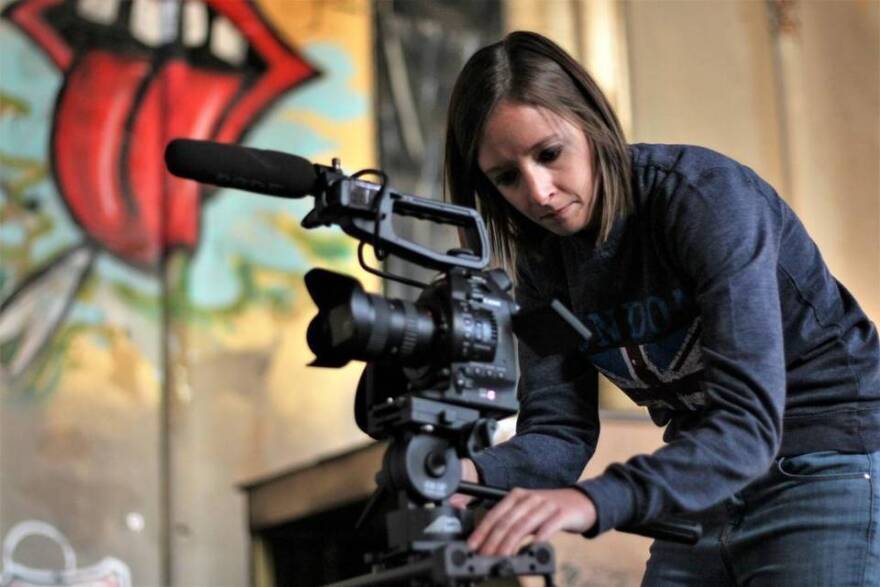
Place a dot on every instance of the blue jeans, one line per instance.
(812, 519)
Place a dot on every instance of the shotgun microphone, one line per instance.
(253, 170)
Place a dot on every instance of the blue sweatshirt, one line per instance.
(711, 306)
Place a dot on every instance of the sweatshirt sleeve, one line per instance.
(558, 421)
(724, 230)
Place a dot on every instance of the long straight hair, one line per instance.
(530, 69)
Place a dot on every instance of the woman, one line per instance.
(709, 304)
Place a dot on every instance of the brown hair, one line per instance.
(528, 68)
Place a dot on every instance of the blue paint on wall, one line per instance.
(26, 74)
(114, 271)
(236, 225)
(334, 97)
(12, 234)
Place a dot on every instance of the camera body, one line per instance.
(475, 361)
(454, 345)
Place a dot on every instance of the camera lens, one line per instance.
(354, 325)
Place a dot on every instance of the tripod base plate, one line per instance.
(454, 563)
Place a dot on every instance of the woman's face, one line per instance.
(541, 163)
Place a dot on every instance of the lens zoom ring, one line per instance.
(410, 330)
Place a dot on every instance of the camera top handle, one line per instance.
(364, 210)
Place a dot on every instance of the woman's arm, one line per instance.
(725, 231)
(558, 422)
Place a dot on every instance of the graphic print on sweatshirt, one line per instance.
(650, 348)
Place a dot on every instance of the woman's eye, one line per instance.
(549, 154)
(506, 178)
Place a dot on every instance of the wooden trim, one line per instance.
(343, 479)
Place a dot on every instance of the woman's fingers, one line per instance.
(497, 515)
(512, 523)
(511, 520)
(494, 517)
(525, 526)
(536, 513)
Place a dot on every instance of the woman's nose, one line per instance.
(538, 185)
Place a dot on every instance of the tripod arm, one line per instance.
(670, 528)
(482, 491)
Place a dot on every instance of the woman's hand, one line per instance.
(531, 512)
(469, 474)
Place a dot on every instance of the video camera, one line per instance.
(455, 343)
(439, 370)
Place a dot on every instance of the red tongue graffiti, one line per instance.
(118, 109)
(112, 122)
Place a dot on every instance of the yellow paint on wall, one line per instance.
(251, 329)
(353, 138)
(318, 400)
(340, 22)
(116, 372)
(328, 238)
(238, 399)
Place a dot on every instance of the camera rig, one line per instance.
(439, 371)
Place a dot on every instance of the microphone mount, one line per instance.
(365, 210)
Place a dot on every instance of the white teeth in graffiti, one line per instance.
(227, 43)
(99, 11)
(195, 23)
(154, 22)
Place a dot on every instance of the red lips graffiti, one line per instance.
(124, 96)
(123, 100)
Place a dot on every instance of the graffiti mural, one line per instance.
(109, 572)
(125, 91)
(126, 293)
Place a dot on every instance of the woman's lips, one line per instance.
(559, 212)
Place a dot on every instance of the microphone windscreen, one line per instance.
(245, 168)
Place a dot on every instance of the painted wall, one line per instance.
(790, 89)
(151, 330)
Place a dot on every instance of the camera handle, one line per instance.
(365, 211)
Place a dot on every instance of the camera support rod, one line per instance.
(453, 564)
